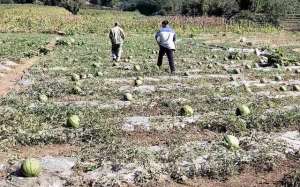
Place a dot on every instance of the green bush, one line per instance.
(222, 8)
(148, 7)
(275, 9)
(72, 6)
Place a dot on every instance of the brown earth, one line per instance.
(9, 80)
(38, 151)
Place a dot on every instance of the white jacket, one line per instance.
(116, 35)
(166, 37)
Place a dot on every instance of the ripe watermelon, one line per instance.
(31, 167)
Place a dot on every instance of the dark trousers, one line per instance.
(169, 52)
(116, 51)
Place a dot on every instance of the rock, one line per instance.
(127, 174)
(136, 123)
(4, 68)
(292, 138)
(145, 89)
(42, 181)
(58, 165)
(9, 63)
(297, 71)
(25, 82)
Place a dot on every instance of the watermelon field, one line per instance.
(230, 116)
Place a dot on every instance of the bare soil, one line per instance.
(8, 80)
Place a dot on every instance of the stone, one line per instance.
(58, 165)
(136, 123)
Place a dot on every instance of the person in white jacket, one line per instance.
(117, 37)
(166, 39)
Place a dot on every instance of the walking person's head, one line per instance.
(117, 24)
(165, 23)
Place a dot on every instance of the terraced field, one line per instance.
(146, 141)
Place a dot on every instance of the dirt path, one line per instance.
(9, 79)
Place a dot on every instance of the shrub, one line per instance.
(72, 6)
(225, 8)
(193, 8)
(148, 7)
